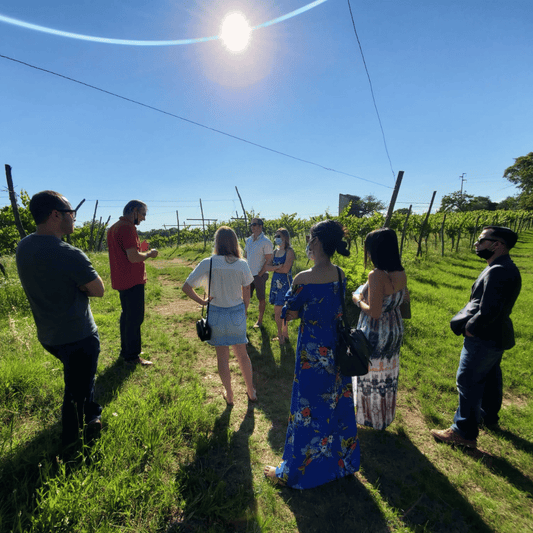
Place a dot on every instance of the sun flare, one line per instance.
(235, 32)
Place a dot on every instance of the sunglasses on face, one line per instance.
(71, 211)
(479, 241)
(254, 224)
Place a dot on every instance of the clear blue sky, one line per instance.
(452, 81)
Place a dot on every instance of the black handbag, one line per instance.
(353, 350)
(405, 306)
(203, 329)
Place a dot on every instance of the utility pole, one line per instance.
(462, 177)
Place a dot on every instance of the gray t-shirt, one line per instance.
(51, 272)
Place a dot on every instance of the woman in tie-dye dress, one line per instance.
(381, 321)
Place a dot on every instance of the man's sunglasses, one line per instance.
(254, 224)
(71, 211)
(479, 241)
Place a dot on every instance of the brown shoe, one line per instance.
(449, 436)
(140, 361)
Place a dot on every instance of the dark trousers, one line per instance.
(131, 318)
(80, 360)
(479, 383)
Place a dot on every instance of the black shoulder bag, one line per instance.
(202, 327)
(353, 350)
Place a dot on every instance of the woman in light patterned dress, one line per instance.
(381, 321)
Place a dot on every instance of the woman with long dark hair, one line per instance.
(380, 319)
(230, 297)
(321, 443)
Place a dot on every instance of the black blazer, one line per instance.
(487, 314)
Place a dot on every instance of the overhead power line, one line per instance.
(371, 90)
(191, 121)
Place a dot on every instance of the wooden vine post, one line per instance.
(442, 235)
(419, 251)
(203, 224)
(178, 221)
(405, 229)
(14, 206)
(91, 242)
(393, 199)
(99, 247)
(242, 205)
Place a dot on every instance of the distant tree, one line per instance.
(402, 211)
(458, 201)
(511, 203)
(521, 174)
(367, 206)
(455, 201)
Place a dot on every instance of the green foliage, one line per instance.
(459, 201)
(521, 173)
(9, 235)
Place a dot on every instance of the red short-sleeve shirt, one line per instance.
(122, 236)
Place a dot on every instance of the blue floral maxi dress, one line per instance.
(281, 283)
(321, 443)
(376, 391)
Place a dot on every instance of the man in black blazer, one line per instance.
(488, 330)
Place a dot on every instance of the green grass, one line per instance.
(173, 458)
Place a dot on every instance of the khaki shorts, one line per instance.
(259, 284)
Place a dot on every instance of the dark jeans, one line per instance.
(80, 360)
(479, 383)
(131, 318)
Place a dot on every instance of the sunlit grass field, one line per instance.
(173, 457)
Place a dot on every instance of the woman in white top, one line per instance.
(230, 296)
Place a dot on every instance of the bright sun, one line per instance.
(235, 32)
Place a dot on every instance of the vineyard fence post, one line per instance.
(178, 221)
(14, 206)
(393, 198)
(242, 205)
(442, 235)
(203, 224)
(419, 251)
(92, 226)
(99, 247)
(405, 229)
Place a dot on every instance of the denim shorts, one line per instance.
(228, 325)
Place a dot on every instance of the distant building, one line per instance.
(345, 199)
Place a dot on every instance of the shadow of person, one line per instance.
(110, 381)
(287, 357)
(218, 485)
(341, 505)
(408, 482)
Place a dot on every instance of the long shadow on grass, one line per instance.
(342, 505)
(110, 381)
(410, 483)
(217, 487)
(274, 386)
(394, 471)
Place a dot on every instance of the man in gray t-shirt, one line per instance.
(58, 280)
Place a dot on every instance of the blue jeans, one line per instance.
(479, 383)
(80, 360)
(131, 318)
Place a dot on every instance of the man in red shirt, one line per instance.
(128, 277)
